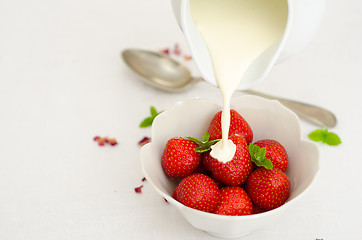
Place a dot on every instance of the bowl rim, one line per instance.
(180, 206)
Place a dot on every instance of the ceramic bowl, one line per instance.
(268, 119)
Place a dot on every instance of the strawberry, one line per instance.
(204, 146)
(238, 125)
(197, 191)
(207, 161)
(257, 209)
(179, 157)
(234, 172)
(275, 152)
(202, 169)
(234, 202)
(268, 189)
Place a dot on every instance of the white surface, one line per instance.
(62, 82)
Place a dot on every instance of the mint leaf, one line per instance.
(205, 144)
(206, 137)
(153, 111)
(147, 122)
(317, 135)
(332, 139)
(195, 140)
(325, 136)
(257, 155)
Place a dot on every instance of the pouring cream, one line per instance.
(236, 33)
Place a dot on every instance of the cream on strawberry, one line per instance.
(238, 125)
(223, 151)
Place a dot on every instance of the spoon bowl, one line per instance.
(164, 73)
(158, 70)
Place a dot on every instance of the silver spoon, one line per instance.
(164, 73)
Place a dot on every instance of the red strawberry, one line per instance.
(275, 152)
(197, 191)
(238, 125)
(257, 209)
(204, 146)
(179, 157)
(234, 202)
(236, 171)
(207, 161)
(268, 189)
(202, 169)
(174, 194)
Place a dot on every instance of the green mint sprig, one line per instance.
(205, 144)
(257, 155)
(325, 136)
(147, 122)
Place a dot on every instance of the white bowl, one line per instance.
(268, 119)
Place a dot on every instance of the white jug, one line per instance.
(303, 20)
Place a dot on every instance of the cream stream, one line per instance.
(236, 32)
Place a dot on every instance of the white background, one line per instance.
(62, 82)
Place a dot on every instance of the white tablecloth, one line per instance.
(62, 82)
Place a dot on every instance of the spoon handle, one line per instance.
(311, 113)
